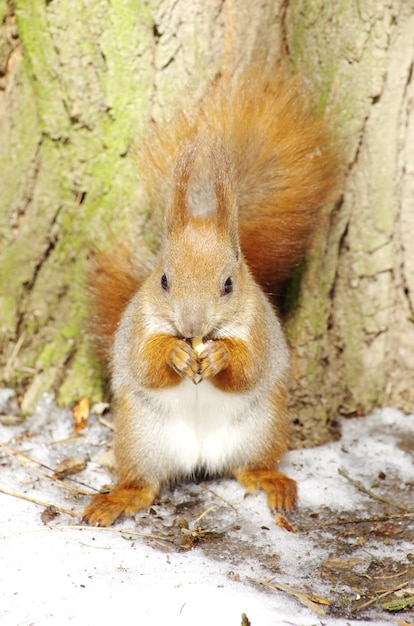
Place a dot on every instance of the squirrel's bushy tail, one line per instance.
(113, 279)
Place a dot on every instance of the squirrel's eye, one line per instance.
(228, 286)
(164, 282)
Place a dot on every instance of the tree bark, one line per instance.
(75, 85)
(78, 83)
(353, 327)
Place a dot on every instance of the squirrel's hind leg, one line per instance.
(126, 499)
(280, 490)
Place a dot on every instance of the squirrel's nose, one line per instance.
(193, 324)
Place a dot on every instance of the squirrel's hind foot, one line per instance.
(125, 499)
(281, 491)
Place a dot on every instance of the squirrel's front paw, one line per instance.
(214, 358)
(183, 359)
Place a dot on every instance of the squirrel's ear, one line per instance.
(176, 214)
(226, 206)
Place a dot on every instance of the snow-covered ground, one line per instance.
(54, 571)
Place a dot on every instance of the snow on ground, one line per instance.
(54, 572)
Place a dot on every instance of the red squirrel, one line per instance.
(197, 354)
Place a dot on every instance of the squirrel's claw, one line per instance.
(183, 360)
(214, 358)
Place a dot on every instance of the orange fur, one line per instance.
(280, 490)
(113, 279)
(240, 374)
(280, 167)
(126, 499)
(156, 361)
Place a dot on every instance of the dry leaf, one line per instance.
(284, 523)
(69, 466)
(80, 412)
(407, 591)
(308, 599)
(342, 564)
(49, 514)
(319, 599)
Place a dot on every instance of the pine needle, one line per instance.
(383, 595)
(28, 461)
(23, 496)
(373, 495)
(310, 600)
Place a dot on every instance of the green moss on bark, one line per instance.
(78, 90)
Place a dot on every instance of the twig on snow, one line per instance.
(359, 520)
(383, 595)
(373, 495)
(123, 531)
(308, 599)
(23, 496)
(26, 461)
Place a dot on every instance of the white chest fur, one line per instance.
(193, 427)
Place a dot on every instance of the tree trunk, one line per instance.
(352, 329)
(79, 80)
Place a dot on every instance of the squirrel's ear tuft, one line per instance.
(226, 206)
(177, 213)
